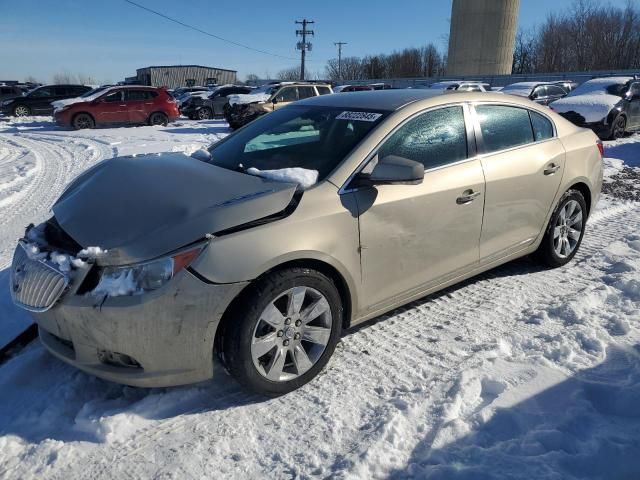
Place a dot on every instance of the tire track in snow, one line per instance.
(404, 366)
(56, 161)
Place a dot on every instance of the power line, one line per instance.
(303, 46)
(205, 32)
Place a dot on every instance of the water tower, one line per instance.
(482, 37)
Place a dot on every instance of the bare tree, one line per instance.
(64, 77)
(289, 74)
(31, 79)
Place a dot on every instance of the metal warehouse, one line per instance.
(174, 76)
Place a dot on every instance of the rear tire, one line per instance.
(21, 111)
(565, 230)
(82, 121)
(158, 118)
(304, 312)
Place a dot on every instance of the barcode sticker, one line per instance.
(359, 116)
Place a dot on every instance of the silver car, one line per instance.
(310, 220)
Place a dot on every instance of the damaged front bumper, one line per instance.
(160, 338)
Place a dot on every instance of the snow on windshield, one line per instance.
(302, 176)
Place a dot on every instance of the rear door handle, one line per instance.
(551, 169)
(467, 196)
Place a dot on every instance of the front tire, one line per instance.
(158, 118)
(82, 121)
(565, 230)
(21, 111)
(618, 128)
(283, 332)
(205, 113)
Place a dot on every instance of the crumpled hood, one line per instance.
(139, 208)
(593, 106)
(248, 98)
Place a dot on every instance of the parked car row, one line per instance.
(38, 101)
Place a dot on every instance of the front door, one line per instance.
(523, 163)
(416, 236)
(634, 107)
(285, 96)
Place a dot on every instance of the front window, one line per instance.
(41, 92)
(287, 94)
(313, 138)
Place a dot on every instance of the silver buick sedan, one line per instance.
(309, 220)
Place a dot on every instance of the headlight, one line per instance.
(7, 102)
(142, 277)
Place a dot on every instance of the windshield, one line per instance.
(309, 137)
(611, 86)
(90, 93)
(266, 89)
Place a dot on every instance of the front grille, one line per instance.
(35, 285)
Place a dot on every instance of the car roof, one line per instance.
(392, 100)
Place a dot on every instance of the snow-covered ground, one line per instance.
(520, 373)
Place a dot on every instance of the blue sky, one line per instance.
(110, 39)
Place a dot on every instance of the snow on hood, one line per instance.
(168, 201)
(302, 176)
(245, 98)
(60, 104)
(591, 99)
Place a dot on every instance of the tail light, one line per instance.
(600, 147)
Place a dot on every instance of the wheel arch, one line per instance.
(311, 263)
(584, 189)
(73, 117)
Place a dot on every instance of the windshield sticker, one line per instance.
(359, 116)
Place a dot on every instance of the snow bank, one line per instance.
(302, 176)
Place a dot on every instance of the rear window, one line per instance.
(323, 90)
(140, 95)
(542, 127)
(504, 127)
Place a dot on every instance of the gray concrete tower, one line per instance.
(482, 37)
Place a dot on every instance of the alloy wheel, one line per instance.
(82, 122)
(291, 334)
(21, 111)
(203, 114)
(568, 229)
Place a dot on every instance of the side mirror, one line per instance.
(202, 155)
(394, 170)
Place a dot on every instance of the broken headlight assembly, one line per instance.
(140, 278)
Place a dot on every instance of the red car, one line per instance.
(117, 105)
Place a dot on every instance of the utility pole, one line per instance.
(339, 44)
(303, 46)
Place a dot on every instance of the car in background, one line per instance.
(11, 91)
(211, 105)
(610, 106)
(245, 108)
(462, 86)
(181, 94)
(380, 86)
(38, 101)
(567, 85)
(351, 88)
(119, 105)
(310, 220)
(540, 92)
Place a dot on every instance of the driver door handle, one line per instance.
(467, 196)
(551, 169)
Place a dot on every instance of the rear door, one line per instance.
(139, 104)
(417, 236)
(111, 108)
(523, 162)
